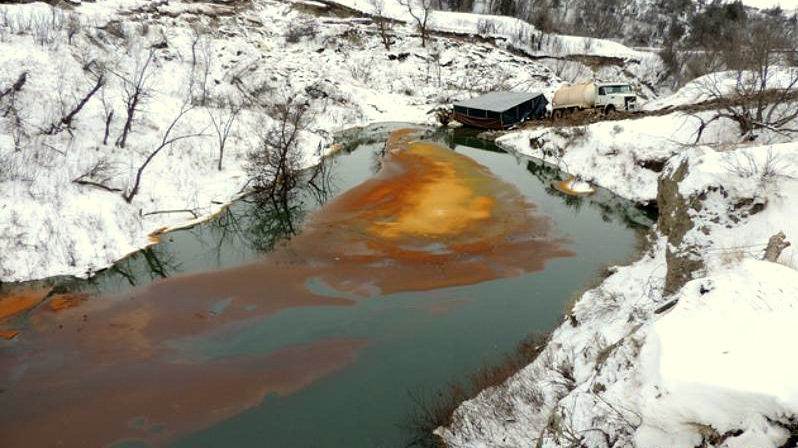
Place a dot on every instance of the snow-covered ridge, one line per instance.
(519, 33)
(723, 84)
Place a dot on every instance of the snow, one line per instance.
(51, 226)
(787, 5)
(611, 154)
(622, 367)
(720, 359)
(710, 365)
(524, 37)
(565, 375)
(720, 84)
(510, 28)
(642, 374)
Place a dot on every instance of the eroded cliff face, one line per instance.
(674, 222)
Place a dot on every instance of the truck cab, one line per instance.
(616, 96)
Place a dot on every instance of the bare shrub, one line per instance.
(99, 174)
(384, 24)
(47, 29)
(522, 35)
(420, 11)
(486, 27)
(433, 412)
(745, 165)
(223, 116)
(301, 30)
(362, 70)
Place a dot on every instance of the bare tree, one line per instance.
(434, 65)
(200, 67)
(223, 116)
(274, 167)
(760, 90)
(384, 24)
(96, 74)
(166, 141)
(108, 114)
(420, 11)
(136, 89)
(601, 20)
(320, 181)
(10, 108)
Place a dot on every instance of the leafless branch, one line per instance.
(165, 141)
(136, 89)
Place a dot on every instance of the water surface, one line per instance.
(409, 280)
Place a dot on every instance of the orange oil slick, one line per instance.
(20, 302)
(431, 218)
(63, 301)
(99, 407)
(8, 334)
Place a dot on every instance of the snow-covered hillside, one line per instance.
(572, 58)
(205, 60)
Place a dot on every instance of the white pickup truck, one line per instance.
(606, 97)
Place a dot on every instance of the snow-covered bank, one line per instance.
(562, 53)
(336, 67)
(516, 31)
(632, 365)
(624, 156)
(722, 359)
(728, 83)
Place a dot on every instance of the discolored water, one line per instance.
(404, 282)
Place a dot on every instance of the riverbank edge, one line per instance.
(435, 416)
(609, 325)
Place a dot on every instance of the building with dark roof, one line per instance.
(500, 110)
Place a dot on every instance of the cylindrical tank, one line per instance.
(576, 95)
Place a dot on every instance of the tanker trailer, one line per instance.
(606, 97)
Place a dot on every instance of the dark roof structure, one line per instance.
(500, 110)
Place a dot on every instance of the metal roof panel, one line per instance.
(498, 101)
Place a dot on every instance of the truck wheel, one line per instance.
(556, 115)
(609, 110)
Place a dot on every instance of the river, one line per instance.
(411, 271)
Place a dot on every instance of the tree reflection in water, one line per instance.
(151, 263)
(269, 221)
(259, 221)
